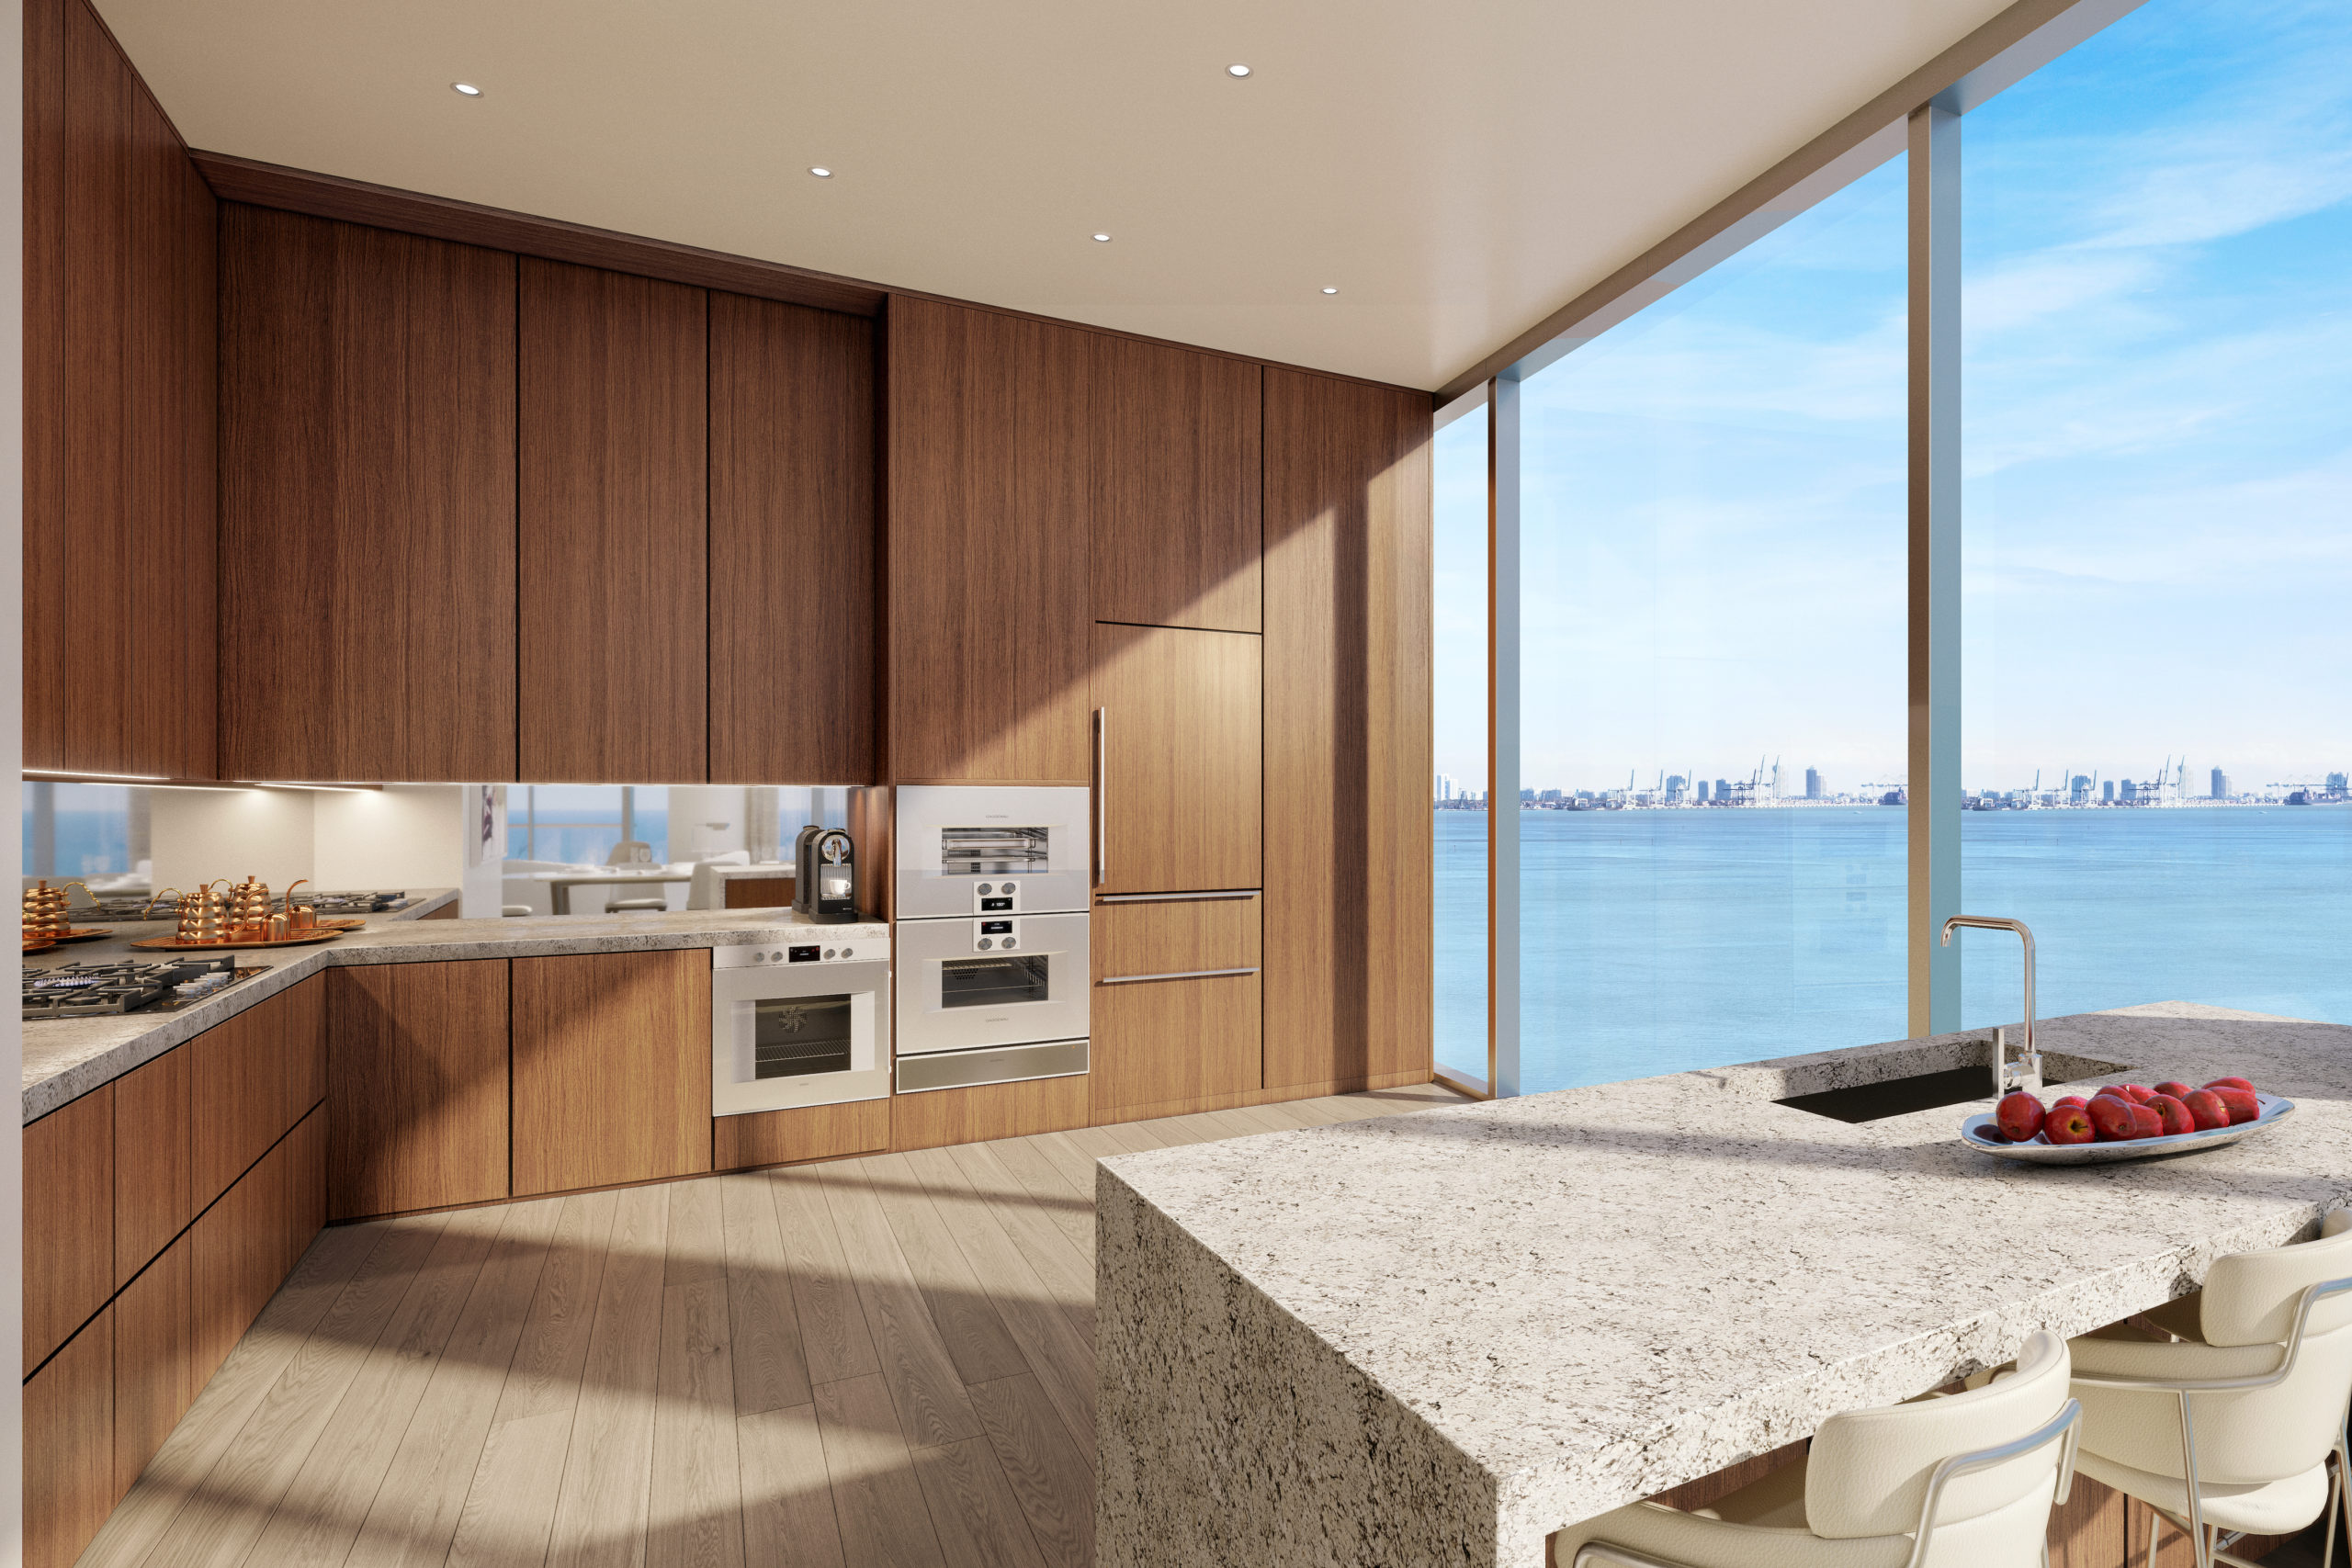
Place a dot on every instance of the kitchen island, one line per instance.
(1440, 1337)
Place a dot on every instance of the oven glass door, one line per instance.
(816, 1045)
(1002, 980)
(955, 995)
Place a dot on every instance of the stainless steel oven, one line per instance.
(998, 980)
(802, 1021)
(988, 850)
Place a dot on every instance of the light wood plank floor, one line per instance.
(886, 1360)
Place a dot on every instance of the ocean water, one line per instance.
(1656, 942)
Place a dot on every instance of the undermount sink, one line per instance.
(1925, 1091)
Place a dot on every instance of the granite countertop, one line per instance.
(66, 1058)
(1442, 1337)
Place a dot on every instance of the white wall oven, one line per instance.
(801, 1022)
(993, 968)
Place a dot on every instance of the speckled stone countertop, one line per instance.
(1439, 1338)
(66, 1058)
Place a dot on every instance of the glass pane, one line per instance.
(995, 982)
(2158, 289)
(1458, 726)
(1713, 561)
(799, 1034)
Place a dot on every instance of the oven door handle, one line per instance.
(1179, 975)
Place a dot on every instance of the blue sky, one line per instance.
(2158, 244)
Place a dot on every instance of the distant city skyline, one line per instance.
(2158, 474)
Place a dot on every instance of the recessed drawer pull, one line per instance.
(1173, 897)
(1180, 975)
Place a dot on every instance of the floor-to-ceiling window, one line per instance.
(1458, 730)
(2157, 528)
(1712, 547)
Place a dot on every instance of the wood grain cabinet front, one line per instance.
(987, 483)
(612, 1068)
(1177, 1004)
(69, 1219)
(151, 1191)
(251, 1079)
(69, 1447)
(417, 1086)
(1179, 783)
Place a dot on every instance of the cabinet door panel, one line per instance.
(987, 545)
(154, 1381)
(151, 1161)
(69, 1447)
(792, 543)
(614, 527)
(612, 1068)
(1347, 728)
(1181, 788)
(417, 1086)
(69, 1219)
(368, 433)
(251, 1079)
(1176, 537)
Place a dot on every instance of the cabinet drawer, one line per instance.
(1173, 936)
(1170, 1047)
(69, 1447)
(69, 1219)
(151, 1182)
(249, 1081)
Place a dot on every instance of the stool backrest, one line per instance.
(1870, 1470)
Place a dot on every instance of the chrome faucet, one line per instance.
(2029, 1073)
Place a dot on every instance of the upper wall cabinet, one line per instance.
(368, 489)
(1347, 650)
(987, 589)
(614, 462)
(1176, 487)
(120, 416)
(794, 635)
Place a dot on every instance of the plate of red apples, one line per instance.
(2123, 1121)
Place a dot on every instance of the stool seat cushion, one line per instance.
(2279, 1508)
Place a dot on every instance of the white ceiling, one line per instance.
(1457, 172)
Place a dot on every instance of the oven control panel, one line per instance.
(840, 950)
(997, 934)
(1000, 898)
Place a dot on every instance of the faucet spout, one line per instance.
(2029, 1074)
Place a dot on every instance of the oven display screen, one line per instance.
(792, 1036)
(995, 982)
(989, 905)
(996, 928)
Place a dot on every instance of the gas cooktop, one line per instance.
(97, 990)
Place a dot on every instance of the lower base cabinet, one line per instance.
(416, 1087)
(1178, 1007)
(806, 1132)
(944, 1116)
(612, 1068)
(69, 1446)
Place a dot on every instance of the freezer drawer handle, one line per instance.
(1173, 897)
(1181, 974)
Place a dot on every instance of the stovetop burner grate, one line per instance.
(105, 990)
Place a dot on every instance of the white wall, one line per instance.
(201, 835)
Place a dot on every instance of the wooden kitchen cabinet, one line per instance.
(120, 405)
(612, 1068)
(1180, 790)
(794, 633)
(151, 1161)
(242, 1249)
(1347, 728)
(69, 1219)
(1177, 480)
(69, 1447)
(417, 1086)
(154, 1365)
(368, 489)
(614, 461)
(986, 586)
(250, 1079)
(1176, 1009)
(799, 1132)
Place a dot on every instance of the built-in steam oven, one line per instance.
(989, 850)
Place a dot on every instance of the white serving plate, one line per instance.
(1979, 1133)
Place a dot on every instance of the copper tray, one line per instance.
(38, 946)
(174, 944)
(81, 933)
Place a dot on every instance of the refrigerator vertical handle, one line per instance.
(1101, 797)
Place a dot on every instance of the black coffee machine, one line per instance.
(824, 884)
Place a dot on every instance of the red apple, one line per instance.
(2174, 1113)
(2019, 1116)
(2207, 1107)
(2174, 1087)
(2139, 1093)
(2232, 1083)
(2111, 1115)
(2242, 1104)
(2150, 1125)
(2070, 1099)
(2069, 1124)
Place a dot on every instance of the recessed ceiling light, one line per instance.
(1101, 239)
(1330, 291)
(822, 173)
(1236, 70)
(468, 88)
